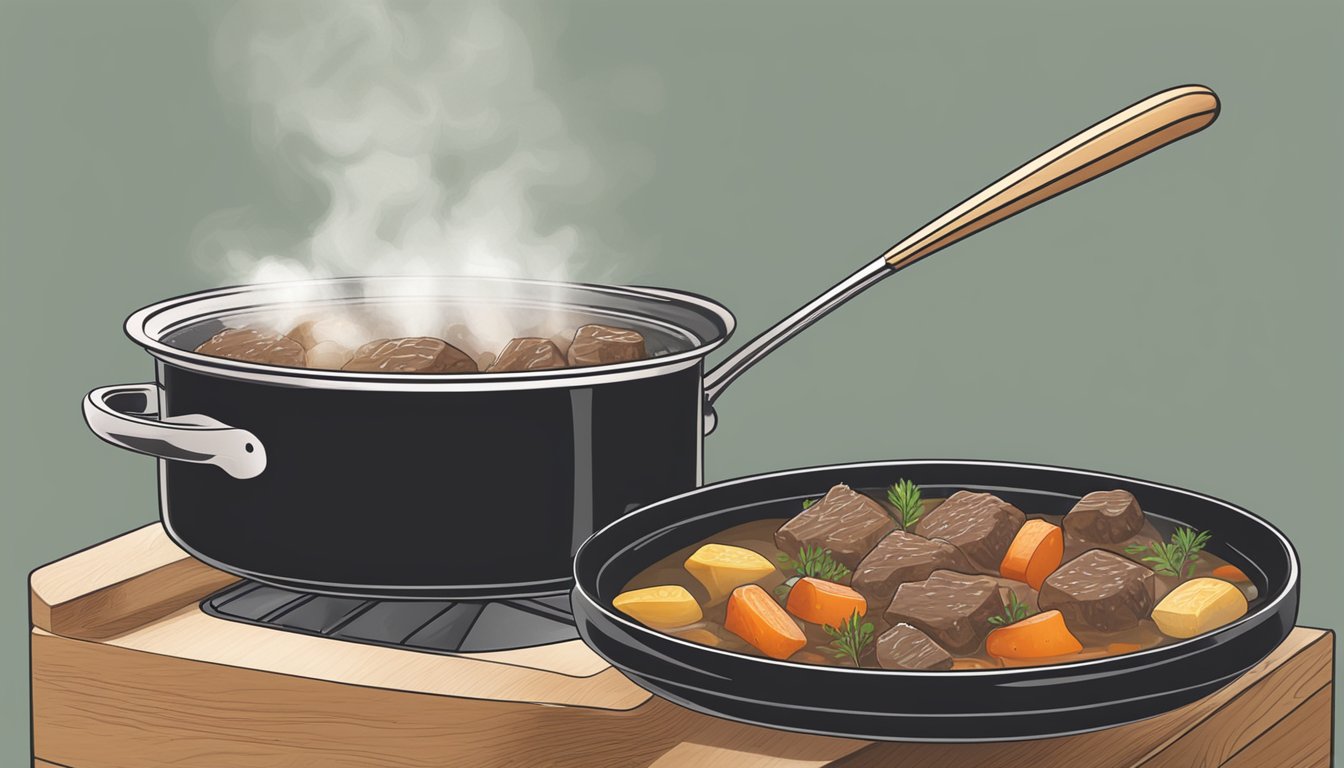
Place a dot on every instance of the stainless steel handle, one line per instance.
(126, 415)
(1118, 140)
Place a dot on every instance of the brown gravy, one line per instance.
(758, 536)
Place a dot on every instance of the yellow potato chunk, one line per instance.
(1197, 606)
(659, 607)
(722, 568)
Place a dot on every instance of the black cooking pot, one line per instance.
(483, 485)
(969, 705)
(411, 485)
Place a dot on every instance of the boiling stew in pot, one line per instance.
(340, 343)
(892, 580)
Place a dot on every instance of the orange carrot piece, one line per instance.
(754, 616)
(824, 602)
(1034, 637)
(1118, 648)
(1035, 553)
(1230, 573)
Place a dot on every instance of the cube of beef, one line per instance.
(981, 525)
(254, 346)
(845, 521)
(902, 557)
(412, 354)
(341, 330)
(601, 344)
(904, 647)
(529, 354)
(952, 608)
(1105, 516)
(328, 356)
(1099, 590)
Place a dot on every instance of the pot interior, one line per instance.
(477, 315)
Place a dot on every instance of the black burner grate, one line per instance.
(436, 626)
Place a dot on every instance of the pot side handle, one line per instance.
(126, 415)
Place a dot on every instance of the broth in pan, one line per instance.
(886, 579)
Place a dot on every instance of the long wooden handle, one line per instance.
(1119, 139)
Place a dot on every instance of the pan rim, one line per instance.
(1172, 650)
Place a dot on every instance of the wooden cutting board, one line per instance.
(127, 671)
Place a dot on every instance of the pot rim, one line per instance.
(148, 325)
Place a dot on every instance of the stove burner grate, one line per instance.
(434, 626)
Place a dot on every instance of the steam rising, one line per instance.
(423, 125)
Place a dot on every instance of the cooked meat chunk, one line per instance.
(601, 344)
(1099, 590)
(328, 356)
(341, 330)
(952, 608)
(529, 354)
(254, 346)
(904, 647)
(981, 525)
(846, 522)
(1105, 516)
(902, 557)
(413, 354)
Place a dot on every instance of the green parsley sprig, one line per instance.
(1177, 557)
(815, 562)
(851, 638)
(904, 496)
(1013, 612)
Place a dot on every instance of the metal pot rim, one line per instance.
(149, 325)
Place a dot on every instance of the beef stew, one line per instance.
(890, 580)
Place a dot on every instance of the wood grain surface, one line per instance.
(140, 677)
(1300, 740)
(99, 705)
(120, 584)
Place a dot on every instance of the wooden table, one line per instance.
(127, 671)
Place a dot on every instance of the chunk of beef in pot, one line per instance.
(904, 647)
(981, 525)
(254, 346)
(602, 344)
(328, 356)
(1099, 590)
(1105, 516)
(902, 557)
(952, 608)
(529, 354)
(340, 330)
(845, 521)
(412, 354)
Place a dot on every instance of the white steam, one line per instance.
(424, 127)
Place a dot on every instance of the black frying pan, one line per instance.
(988, 705)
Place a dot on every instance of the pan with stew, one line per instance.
(936, 600)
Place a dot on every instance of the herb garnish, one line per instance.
(1177, 558)
(809, 502)
(850, 638)
(1013, 612)
(815, 562)
(904, 496)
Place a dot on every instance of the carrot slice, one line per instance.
(754, 616)
(1230, 573)
(824, 602)
(1035, 553)
(1034, 637)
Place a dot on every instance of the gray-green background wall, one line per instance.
(1179, 320)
